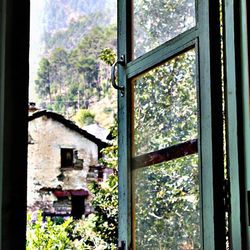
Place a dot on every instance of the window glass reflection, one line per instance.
(165, 105)
(156, 22)
(166, 205)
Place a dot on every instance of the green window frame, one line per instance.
(205, 38)
(237, 119)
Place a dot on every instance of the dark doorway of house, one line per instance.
(78, 206)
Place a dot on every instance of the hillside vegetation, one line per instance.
(71, 76)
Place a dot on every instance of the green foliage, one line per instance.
(84, 117)
(105, 197)
(110, 154)
(166, 196)
(85, 236)
(47, 235)
(78, 75)
(105, 203)
(75, 235)
(43, 82)
(167, 205)
(156, 22)
(108, 56)
(165, 101)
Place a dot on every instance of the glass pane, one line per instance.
(165, 105)
(166, 205)
(158, 21)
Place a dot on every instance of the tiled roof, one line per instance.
(98, 131)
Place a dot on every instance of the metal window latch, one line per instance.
(120, 61)
(121, 245)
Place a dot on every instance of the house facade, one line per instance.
(60, 155)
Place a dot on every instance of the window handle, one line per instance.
(120, 61)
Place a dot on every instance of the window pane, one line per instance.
(166, 205)
(156, 22)
(165, 105)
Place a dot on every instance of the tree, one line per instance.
(43, 81)
(85, 59)
(77, 74)
(84, 117)
(105, 203)
(59, 70)
(105, 196)
(167, 205)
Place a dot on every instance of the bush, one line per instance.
(47, 235)
(84, 117)
(79, 234)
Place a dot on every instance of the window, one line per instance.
(62, 206)
(67, 158)
(171, 169)
(95, 173)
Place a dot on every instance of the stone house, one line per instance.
(60, 156)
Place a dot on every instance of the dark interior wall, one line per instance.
(14, 29)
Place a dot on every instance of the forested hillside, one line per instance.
(59, 13)
(71, 76)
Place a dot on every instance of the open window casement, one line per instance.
(175, 165)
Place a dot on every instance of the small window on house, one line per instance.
(67, 158)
